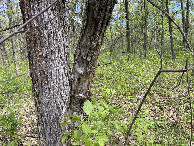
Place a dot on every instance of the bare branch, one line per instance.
(179, 28)
(13, 78)
(144, 97)
(27, 22)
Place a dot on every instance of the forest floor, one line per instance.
(165, 115)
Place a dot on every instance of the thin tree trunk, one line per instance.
(171, 33)
(162, 35)
(183, 21)
(97, 17)
(127, 25)
(3, 52)
(145, 28)
(13, 39)
(187, 21)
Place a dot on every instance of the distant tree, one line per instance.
(170, 31)
(11, 18)
(57, 90)
(127, 25)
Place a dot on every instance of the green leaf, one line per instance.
(88, 142)
(86, 129)
(75, 118)
(64, 137)
(65, 123)
(88, 107)
(77, 134)
(70, 5)
(76, 143)
(101, 142)
(29, 143)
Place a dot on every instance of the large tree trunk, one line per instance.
(96, 20)
(56, 92)
(48, 53)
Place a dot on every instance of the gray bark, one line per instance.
(56, 92)
(48, 53)
(96, 20)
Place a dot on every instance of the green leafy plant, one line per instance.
(9, 127)
(101, 125)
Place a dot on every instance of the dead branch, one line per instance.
(27, 22)
(13, 78)
(128, 134)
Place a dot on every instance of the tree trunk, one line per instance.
(145, 28)
(3, 52)
(171, 33)
(48, 53)
(162, 35)
(13, 39)
(183, 21)
(187, 22)
(56, 92)
(96, 20)
(127, 25)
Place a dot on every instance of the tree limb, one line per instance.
(13, 78)
(144, 97)
(27, 22)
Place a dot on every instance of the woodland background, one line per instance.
(138, 39)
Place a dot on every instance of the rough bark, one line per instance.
(56, 92)
(127, 25)
(96, 20)
(48, 54)
(171, 33)
(145, 27)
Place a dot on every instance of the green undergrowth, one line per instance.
(15, 92)
(117, 90)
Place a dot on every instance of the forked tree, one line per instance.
(58, 91)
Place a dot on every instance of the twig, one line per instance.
(179, 28)
(27, 22)
(13, 78)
